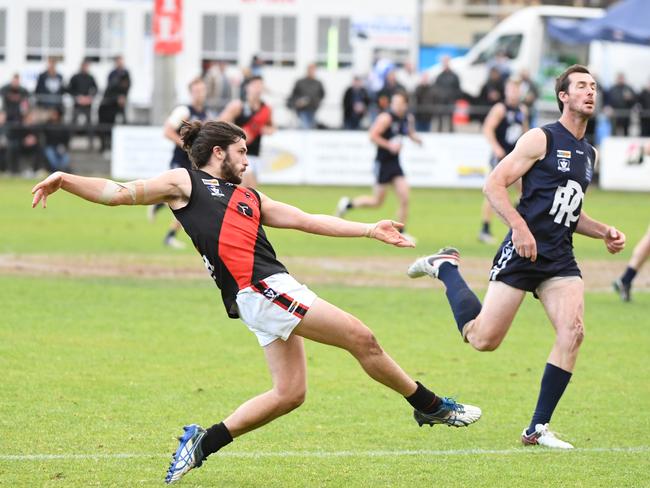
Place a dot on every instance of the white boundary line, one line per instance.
(335, 454)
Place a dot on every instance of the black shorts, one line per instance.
(523, 274)
(387, 171)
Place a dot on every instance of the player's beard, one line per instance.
(228, 171)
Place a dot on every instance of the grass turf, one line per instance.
(107, 366)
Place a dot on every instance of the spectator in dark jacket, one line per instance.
(306, 97)
(391, 86)
(83, 89)
(15, 101)
(424, 98)
(491, 93)
(355, 104)
(644, 105)
(57, 140)
(621, 98)
(114, 100)
(447, 91)
(49, 87)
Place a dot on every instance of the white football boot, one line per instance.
(543, 437)
(430, 265)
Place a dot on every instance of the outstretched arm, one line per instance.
(614, 239)
(173, 187)
(281, 215)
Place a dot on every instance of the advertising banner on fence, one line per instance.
(625, 164)
(321, 158)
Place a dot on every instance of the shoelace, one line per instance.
(451, 404)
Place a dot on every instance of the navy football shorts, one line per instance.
(387, 171)
(523, 274)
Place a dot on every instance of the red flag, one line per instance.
(168, 26)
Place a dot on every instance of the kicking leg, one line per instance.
(563, 300)
(328, 324)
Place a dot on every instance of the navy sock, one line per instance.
(628, 276)
(554, 382)
(170, 234)
(424, 400)
(217, 437)
(464, 303)
(486, 227)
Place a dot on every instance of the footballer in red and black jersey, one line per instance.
(224, 222)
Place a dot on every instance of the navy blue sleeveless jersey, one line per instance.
(510, 128)
(180, 159)
(553, 191)
(224, 222)
(399, 126)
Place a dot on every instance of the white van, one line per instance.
(524, 38)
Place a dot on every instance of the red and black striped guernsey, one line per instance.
(224, 222)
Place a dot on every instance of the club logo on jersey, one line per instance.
(566, 203)
(271, 294)
(213, 187)
(244, 209)
(563, 154)
(564, 165)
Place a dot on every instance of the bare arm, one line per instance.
(173, 122)
(382, 122)
(231, 112)
(529, 149)
(173, 187)
(412, 134)
(281, 215)
(492, 121)
(614, 239)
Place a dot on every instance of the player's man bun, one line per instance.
(189, 133)
(200, 138)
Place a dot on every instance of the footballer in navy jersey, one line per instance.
(555, 164)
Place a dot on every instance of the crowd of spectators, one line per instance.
(36, 127)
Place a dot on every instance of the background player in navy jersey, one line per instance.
(556, 165)
(255, 117)
(505, 123)
(388, 133)
(194, 111)
(225, 222)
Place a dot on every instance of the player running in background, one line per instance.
(255, 117)
(556, 164)
(387, 133)
(225, 222)
(194, 111)
(623, 285)
(505, 123)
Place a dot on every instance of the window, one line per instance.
(104, 35)
(148, 25)
(3, 34)
(221, 37)
(278, 40)
(507, 44)
(45, 34)
(339, 26)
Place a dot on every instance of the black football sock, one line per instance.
(628, 276)
(424, 400)
(464, 303)
(554, 382)
(217, 437)
(170, 234)
(486, 227)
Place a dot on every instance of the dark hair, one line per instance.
(562, 82)
(254, 78)
(199, 138)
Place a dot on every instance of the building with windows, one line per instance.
(341, 36)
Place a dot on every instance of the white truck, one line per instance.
(524, 38)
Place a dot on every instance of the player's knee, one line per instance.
(363, 341)
(486, 343)
(291, 399)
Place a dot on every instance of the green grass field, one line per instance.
(96, 381)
